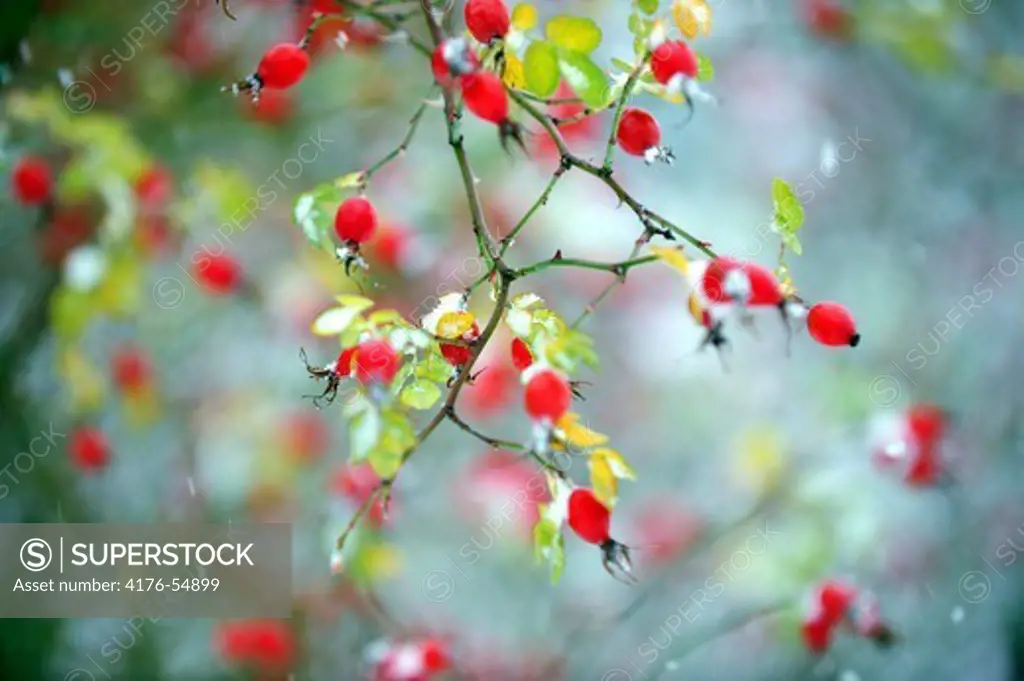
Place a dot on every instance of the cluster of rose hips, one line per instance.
(835, 605)
(266, 645)
(456, 66)
(724, 285)
(674, 65)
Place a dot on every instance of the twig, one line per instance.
(619, 269)
(492, 441)
(541, 201)
(364, 178)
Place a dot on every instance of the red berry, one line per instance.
(275, 107)
(357, 482)
(725, 281)
(32, 181)
(827, 18)
(89, 449)
(485, 96)
(764, 287)
(451, 59)
(835, 599)
(548, 396)
(926, 422)
(356, 220)
(343, 367)
(131, 369)
(672, 60)
(487, 19)
(283, 66)
(458, 355)
(817, 635)
(375, 361)
(522, 358)
(219, 274)
(832, 324)
(154, 188)
(260, 643)
(305, 435)
(638, 132)
(435, 656)
(588, 517)
(389, 246)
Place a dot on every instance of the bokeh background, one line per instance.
(902, 137)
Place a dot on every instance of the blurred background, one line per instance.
(162, 397)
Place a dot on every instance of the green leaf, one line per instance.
(586, 78)
(549, 544)
(434, 368)
(397, 436)
(791, 242)
(540, 68)
(557, 558)
(364, 430)
(577, 34)
(648, 6)
(789, 212)
(420, 395)
(314, 213)
(705, 71)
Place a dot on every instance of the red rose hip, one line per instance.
(832, 324)
(356, 220)
(32, 181)
(548, 396)
(487, 20)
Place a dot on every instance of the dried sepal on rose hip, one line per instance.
(451, 60)
(355, 223)
(591, 521)
(487, 20)
(281, 67)
(639, 134)
(484, 95)
(334, 373)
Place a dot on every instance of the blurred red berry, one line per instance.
(487, 19)
(827, 18)
(218, 274)
(485, 96)
(522, 358)
(832, 324)
(491, 391)
(88, 448)
(131, 369)
(32, 181)
(356, 482)
(154, 188)
(275, 107)
(305, 435)
(262, 644)
(388, 248)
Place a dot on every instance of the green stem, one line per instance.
(487, 439)
(541, 201)
(364, 178)
(617, 268)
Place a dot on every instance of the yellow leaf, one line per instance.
(616, 463)
(578, 435)
(514, 76)
(603, 480)
(696, 311)
(693, 17)
(673, 257)
(760, 461)
(142, 409)
(524, 16)
(454, 324)
(382, 561)
(84, 381)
